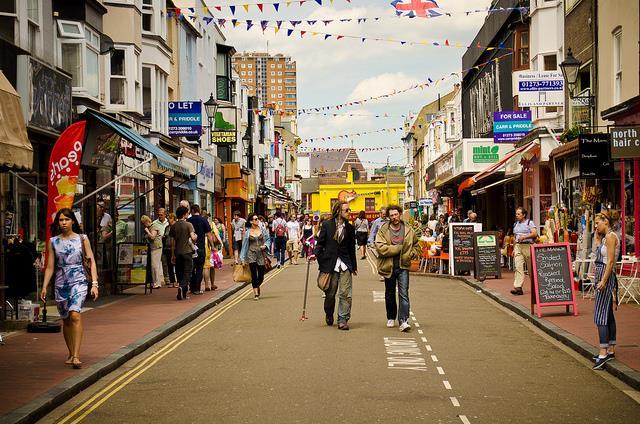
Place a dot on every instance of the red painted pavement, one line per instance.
(32, 364)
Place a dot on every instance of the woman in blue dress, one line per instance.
(66, 250)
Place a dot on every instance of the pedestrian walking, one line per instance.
(182, 236)
(203, 232)
(153, 234)
(336, 255)
(307, 238)
(166, 246)
(255, 251)
(362, 233)
(279, 227)
(293, 240)
(161, 222)
(238, 225)
(68, 250)
(397, 245)
(222, 233)
(375, 226)
(607, 287)
(525, 233)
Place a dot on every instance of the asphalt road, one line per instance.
(465, 360)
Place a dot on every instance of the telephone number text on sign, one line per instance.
(544, 85)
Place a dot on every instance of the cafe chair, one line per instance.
(628, 275)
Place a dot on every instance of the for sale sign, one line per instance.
(539, 88)
(511, 126)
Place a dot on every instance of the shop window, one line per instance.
(370, 204)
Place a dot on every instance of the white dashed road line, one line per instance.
(440, 370)
(446, 385)
(464, 419)
(424, 339)
(428, 348)
(417, 325)
(454, 401)
(434, 358)
(420, 332)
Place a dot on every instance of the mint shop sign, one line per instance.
(486, 154)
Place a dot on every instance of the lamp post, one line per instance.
(211, 107)
(570, 68)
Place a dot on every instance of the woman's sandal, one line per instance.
(76, 363)
(69, 361)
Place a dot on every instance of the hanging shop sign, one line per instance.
(511, 126)
(625, 143)
(539, 88)
(430, 177)
(594, 155)
(225, 128)
(425, 202)
(45, 94)
(185, 119)
(206, 174)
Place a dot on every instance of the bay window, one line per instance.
(124, 79)
(79, 55)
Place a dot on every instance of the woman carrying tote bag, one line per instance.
(255, 252)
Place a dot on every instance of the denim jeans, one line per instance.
(607, 333)
(401, 278)
(196, 276)
(342, 285)
(184, 268)
(280, 245)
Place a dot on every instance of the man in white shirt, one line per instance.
(293, 240)
(162, 223)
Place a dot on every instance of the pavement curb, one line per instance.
(615, 368)
(61, 393)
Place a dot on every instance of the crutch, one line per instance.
(306, 286)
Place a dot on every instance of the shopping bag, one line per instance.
(217, 259)
(241, 273)
(324, 278)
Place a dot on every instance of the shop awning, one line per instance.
(163, 158)
(17, 152)
(484, 189)
(471, 181)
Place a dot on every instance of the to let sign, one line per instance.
(594, 155)
(511, 126)
(185, 119)
(625, 143)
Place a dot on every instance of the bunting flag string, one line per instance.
(356, 134)
(264, 25)
(344, 149)
(380, 115)
(205, 10)
(341, 160)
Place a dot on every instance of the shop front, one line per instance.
(625, 152)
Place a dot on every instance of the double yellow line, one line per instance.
(91, 404)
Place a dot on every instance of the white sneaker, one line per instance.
(405, 327)
(391, 323)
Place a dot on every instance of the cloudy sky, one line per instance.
(332, 72)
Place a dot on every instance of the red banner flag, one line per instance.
(64, 167)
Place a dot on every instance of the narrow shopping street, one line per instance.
(465, 360)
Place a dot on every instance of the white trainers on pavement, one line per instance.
(391, 323)
(405, 327)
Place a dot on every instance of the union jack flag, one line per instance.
(420, 8)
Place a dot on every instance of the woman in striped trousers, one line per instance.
(606, 288)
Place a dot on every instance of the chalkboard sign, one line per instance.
(487, 255)
(553, 276)
(594, 155)
(461, 246)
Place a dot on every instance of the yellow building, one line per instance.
(368, 196)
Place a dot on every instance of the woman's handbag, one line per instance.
(217, 259)
(86, 262)
(324, 279)
(267, 264)
(241, 273)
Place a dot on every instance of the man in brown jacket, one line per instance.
(396, 244)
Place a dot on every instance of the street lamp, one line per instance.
(570, 71)
(211, 107)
